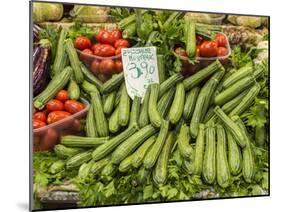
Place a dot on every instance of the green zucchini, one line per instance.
(82, 142)
(183, 142)
(197, 162)
(97, 166)
(190, 102)
(161, 68)
(113, 83)
(57, 166)
(190, 38)
(124, 107)
(223, 172)
(109, 170)
(66, 152)
(144, 118)
(165, 102)
(153, 113)
(90, 126)
(73, 90)
(126, 164)
(225, 77)
(113, 123)
(135, 111)
(91, 78)
(209, 161)
(84, 170)
(152, 156)
(77, 160)
(88, 87)
(176, 109)
(108, 105)
(169, 83)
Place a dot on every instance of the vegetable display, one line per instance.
(201, 132)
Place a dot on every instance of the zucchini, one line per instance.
(135, 111)
(113, 123)
(161, 68)
(190, 38)
(109, 101)
(61, 56)
(223, 173)
(225, 77)
(190, 102)
(77, 160)
(90, 126)
(234, 90)
(176, 109)
(247, 101)
(132, 143)
(197, 162)
(144, 118)
(165, 102)
(139, 154)
(118, 95)
(113, 83)
(152, 156)
(209, 114)
(73, 90)
(66, 152)
(183, 142)
(169, 83)
(231, 126)
(153, 113)
(201, 75)
(160, 173)
(126, 164)
(234, 155)
(99, 165)
(82, 142)
(74, 61)
(106, 148)
(57, 166)
(100, 120)
(55, 85)
(84, 170)
(209, 161)
(88, 87)
(203, 102)
(91, 78)
(109, 170)
(124, 107)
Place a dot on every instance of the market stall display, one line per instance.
(200, 133)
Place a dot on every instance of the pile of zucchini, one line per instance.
(198, 115)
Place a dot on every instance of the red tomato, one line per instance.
(116, 34)
(82, 43)
(40, 116)
(54, 105)
(118, 66)
(121, 42)
(118, 50)
(107, 66)
(105, 37)
(180, 51)
(95, 46)
(221, 40)
(57, 116)
(222, 51)
(62, 95)
(85, 55)
(209, 49)
(198, 51)
(38, 124)
(199, 40)
(73, 106)
(95, 66)
(104, 50)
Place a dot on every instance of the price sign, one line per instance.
(140, 69)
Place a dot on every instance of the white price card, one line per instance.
(140, 69)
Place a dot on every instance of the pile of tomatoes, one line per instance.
(208, 48)
(104, 56)
(57, 109)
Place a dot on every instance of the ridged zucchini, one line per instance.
(113, 123)
(197, 162)
(74, 61)
(153, 112)
(109, 101)
(84, 170)
(109, 170)
(77, 160)
(144, 118)
(176, 109)
(113, 83)
(190, 102)
(161, 68)
(160, 173)
(135, 111)
(106, 148)
(152, 156)
(82, 142)
(73, 90)
(124, 107)
(90, 126)
(132, 143)
(209, 161)
(91, 78)
(88, 87)
(164, 103)
(183, 142)
(99, 165)
(126, 164)
(55, 85)
(57, 166)
(169, 83)
(190, 38)
(139, 154)
(223, 173)
(66, 152)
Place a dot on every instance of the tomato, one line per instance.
(57, 116)
(221, 40)
(40, 116)
(49, 140)
(199, 40)
(118, 50)
(38, 124)
(85, 55)
(54, 104)
(95, 66)
(107, 66)
(82, 43)
(198, 51)
(121, 42)
(118, 66)
(95, 46)
(62, 95)
(116, 34)
(105, 37)
(180, 51)
(208, 49)
(104, 50)
(73, 106)
(222, 51)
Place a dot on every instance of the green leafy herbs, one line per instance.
(79, 29)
